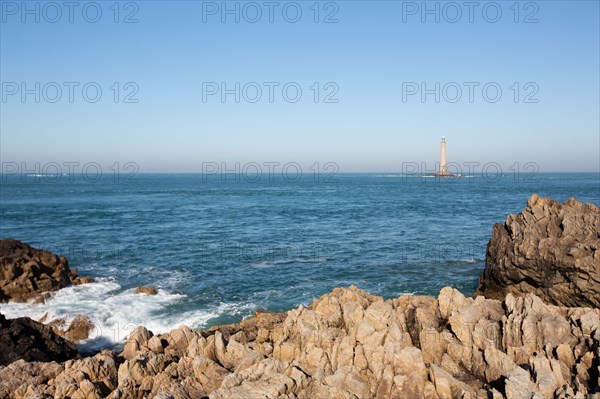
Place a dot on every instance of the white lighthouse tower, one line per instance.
(443, 171)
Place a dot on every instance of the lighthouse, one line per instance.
(443, 171)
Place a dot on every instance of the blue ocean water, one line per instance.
(218, 249)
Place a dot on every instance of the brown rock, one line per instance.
(26, 272)
(146, 290)
(519, 384)
(136, 341)
(155, 345)
(447, 386)
(82, 280)
(20, 375)
(550, 249)
(78, 330)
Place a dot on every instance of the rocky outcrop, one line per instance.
(26, 339)
(550, 249)
(26, 272)
(347, 344)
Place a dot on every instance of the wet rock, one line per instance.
(146, 290)
(77, 330)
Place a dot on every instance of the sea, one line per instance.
(219, 248)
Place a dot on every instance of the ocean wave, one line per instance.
(398, 175)
(465, 261)
(276, 262)
(115, 311)
(51, 175)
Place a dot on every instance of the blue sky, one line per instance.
(367, 61)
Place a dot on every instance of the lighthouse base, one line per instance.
(448, 175)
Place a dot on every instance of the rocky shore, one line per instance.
(532, 331)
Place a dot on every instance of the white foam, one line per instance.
(308, 259)
(116, 312)
(51, 175)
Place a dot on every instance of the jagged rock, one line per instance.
(447, 386)
(87, 378)
(23, 338)
(179, 340)
(20, 375)
(136, 341)
(520, 386)
(79, 329)
(26, 272)
(550, 249)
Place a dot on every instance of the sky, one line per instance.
(368, 85)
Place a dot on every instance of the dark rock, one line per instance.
(25, 272)
(550, 249)
(23, 338)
